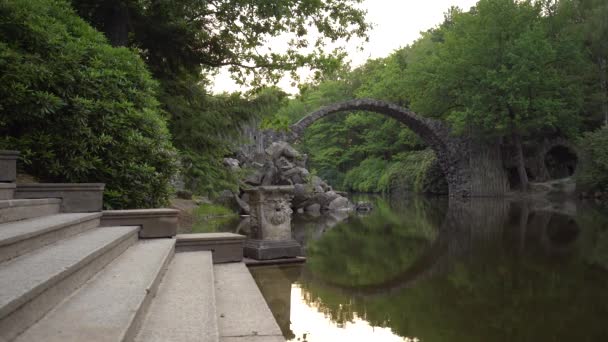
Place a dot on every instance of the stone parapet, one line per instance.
(8, 165)
(76, 197)
(7, 190)
(272, 249)
(226, 247)
(154, 223)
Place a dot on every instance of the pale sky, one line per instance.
(397, 23)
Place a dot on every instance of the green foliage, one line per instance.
(78, 109)
(365, 177)
(183, 36)
(209, 218)
(374, 249)
(503, 68)
(212, 210)
(185, 42)
(592, 171)
(410, 172)
(358, 151)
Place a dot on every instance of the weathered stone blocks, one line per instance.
(226, 247)
(270, 223)
(8, 165)
(7, 190)
(154, 223)
(76, 197)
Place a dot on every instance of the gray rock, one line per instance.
(255, 178)
(282, 148)
(283, 164)
(243, 205)
(270, 174)
(313, 209)
(232, 164)
(340, 204)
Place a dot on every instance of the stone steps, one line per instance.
(243, 314)
(226, 247)
(32, 284)
(111, 305)
(184, 309)
(21, 209)
(20, 237)
(69, 272)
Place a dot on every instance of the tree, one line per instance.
(178, 36)
(184, 42)
(79, 109)
(592, 15)
(502, 70)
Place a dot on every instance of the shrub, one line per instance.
(78, 109)
(413, 171)
(364, 178)
(592, 173)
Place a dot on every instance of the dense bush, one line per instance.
(78, 109)
(592, 174)
(412, 171)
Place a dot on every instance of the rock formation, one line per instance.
(281, 164)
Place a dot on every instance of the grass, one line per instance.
(212, 218)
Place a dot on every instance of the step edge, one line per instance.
(85, 217)
(135, 324)
(212, 304)
(18, 302)
(28, 314)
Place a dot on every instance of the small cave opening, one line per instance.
(560, 162)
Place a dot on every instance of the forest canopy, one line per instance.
(513, 70)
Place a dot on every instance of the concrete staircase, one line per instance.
(67, 276)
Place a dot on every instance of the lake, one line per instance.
(433, 269)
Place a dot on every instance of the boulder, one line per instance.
(232, 164)
(314, 209)
(255, 179)
(340, 204)
(281, 148)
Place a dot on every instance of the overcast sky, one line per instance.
(397, 23)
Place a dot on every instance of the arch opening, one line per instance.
(434, 134)
(561, 162)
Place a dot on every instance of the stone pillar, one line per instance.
(271, 236)
(8, 165)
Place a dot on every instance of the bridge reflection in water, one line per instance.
(476, 270)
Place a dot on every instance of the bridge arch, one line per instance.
(434, 133)
(453, 152)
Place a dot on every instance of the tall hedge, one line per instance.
(78, 109)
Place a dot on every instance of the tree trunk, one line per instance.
(519, 156)
(117, 28)
(604, 88)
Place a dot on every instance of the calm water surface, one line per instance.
(430, 270)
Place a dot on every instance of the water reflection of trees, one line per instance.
(528, 277)
(372, 249)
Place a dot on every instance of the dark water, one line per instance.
(430, 270)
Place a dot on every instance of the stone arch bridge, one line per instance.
(471, 167)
